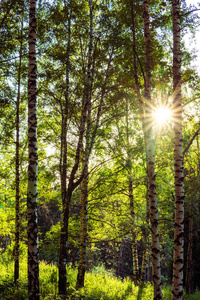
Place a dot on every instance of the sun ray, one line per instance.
(162, 115)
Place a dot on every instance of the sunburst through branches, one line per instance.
(158, 116)
(162, 115)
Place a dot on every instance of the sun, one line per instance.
(162, 115)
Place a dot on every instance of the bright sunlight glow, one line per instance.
(162, 115)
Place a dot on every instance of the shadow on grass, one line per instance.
(140, 290)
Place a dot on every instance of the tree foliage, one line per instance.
(94, 116)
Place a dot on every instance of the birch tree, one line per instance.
(33, 259)
(178, 157)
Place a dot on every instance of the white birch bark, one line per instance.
(178, 159)
(33, 259)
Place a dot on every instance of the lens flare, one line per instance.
(162, 115)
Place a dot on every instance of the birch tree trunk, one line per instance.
(178, 159)
(33, 259)
(151, 162)
(17, 196)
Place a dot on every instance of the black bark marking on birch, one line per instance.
(179, 201)
(154, 257)
(181, 270)
(155, 224)
(152, 186)
(178, 225)
(33, 262)
(179, 260)
(155, 250)
(178, 155)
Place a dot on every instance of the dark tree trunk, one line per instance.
(63, 245)
(150, 164)
(17, 196)
(90, 251)
(65, 193)
(189, 267)
(115, 263)
(83, 233)
(142, 113)
(134, 238)
(86, 154)
(84, 128)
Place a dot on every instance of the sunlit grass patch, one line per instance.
(99, 285)
(195, 296)
(48, 280)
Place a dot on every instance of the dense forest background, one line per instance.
(103, 148)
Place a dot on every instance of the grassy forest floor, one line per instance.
(100, 285)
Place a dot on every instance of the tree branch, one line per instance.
(191, 141)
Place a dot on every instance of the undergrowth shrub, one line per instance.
(100, 285)
(48, 280)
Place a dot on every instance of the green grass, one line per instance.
(100, 285)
